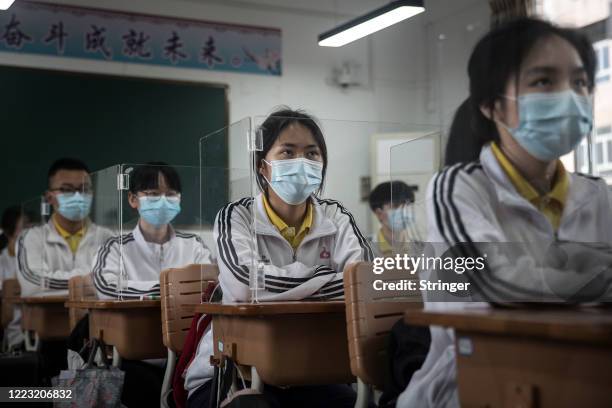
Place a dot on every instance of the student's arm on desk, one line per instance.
(105, 273)
(350, 246)
(32, 271)
(459, 217)
(296, 281)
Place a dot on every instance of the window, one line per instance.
(609, 151)
(599, 153)
(604, 130)
(605, 58)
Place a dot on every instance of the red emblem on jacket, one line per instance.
(324, 254)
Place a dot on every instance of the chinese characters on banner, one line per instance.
(48, 29)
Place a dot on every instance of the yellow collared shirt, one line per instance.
(383, 246)
(73, 240)
(289, 233)
(550, 204)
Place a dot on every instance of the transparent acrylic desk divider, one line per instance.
(413, 164)
(227, 190)
(158, 204)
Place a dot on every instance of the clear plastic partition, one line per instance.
(413, 165)
(228, 213)
(104, 225)
(149, 217)
(32, 255)
(262, 153)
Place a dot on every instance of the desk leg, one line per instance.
(256, 383)
(166, 386)
(116, 358)
(363, 394)
(30, 345)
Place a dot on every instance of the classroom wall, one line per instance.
(398, 63)
(407, 73)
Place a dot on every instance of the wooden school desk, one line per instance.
(529, 357)
(132, 327)
(46, 317)
(283, 343)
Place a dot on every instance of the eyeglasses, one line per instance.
(153, 196)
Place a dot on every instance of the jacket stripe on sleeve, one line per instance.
(110, 289)
(32, 276)
(228, 255)
(453, 223)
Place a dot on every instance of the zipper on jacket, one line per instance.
(161, 257)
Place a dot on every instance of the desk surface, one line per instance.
(43, 299)
(113, 304)
(267, 308)
(588, 325)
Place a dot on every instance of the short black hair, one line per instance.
(10, 216)
(145, 177)
(273, 126)
(499, 55)
(398, 191)
(66, 163)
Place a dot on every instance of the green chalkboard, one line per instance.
(103, 120)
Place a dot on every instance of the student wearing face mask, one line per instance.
(531, 89)
(49, 255)
(305, 243)
(397, 223)
(153, 245)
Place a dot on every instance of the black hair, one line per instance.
(10, 216)
(66, 163)
(499, 55)
(462, 145)
(274, 125)
(398, 191)
(146, 177)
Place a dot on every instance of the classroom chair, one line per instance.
(370, 315)
(179, 287)
(79, 288)
(11, 291)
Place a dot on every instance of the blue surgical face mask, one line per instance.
(159, 210)
(294, 180)
(400, 218)
(74, 207)
(552, 124)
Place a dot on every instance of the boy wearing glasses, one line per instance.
(50, 254)
(153, 245)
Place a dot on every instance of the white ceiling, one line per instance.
(331, 8)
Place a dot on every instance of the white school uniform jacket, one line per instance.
(8, 270)
(313, 271)
(143, 262)
(45, 262)
(476, 202)
(8, 266)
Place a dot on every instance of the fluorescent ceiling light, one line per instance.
(376, 20)
(5, 4)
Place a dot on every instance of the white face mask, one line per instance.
(294, 180)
